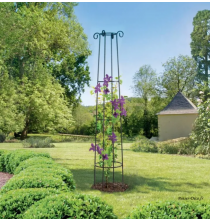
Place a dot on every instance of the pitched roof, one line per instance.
(179, 105)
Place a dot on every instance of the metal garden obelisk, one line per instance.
(103, 119)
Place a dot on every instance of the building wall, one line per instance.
(173, 126)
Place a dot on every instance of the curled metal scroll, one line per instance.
(95, 36)
(121, 33)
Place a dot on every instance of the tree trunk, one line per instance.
(24, 133)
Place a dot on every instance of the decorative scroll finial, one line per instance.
(95, 36)
(121, 34)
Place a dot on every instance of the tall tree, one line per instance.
(34, 38)
(144, 82)
(200, 46)
(179, 75)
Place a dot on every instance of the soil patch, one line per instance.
(4, 177)
(111, 187)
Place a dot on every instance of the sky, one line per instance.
(153, 33)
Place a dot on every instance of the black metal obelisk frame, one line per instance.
(105, 35)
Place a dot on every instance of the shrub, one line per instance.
(33, 161)
(2, 137)
(37, 142)
(70, 206)
(187, 146)
(168, 148)
(54, 170)
(2, 156)
(201, 130)
(144, 145)
(36, 181)
(15, 202)
(12, 159)
(172, 210)
(71, 138)
(5, 161)
(177, 146)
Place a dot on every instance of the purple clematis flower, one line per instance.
(107, 79)
(105, 83)
(96, 148)
(105, 157)
(98, 88)
(121, 101)
(123, 112)
(113, 137)
(92, 147)
(115, 114)
(115, 104)
(106, 91)
(99, 149)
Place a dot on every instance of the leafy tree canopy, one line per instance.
(37, 40)
(178, 75)
(144, 82)
(48, 32)
(200, 44)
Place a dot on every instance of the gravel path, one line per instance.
(4, 177)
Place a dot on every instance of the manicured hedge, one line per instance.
(32, 162)
(23, 182)
(2, 165)
(39, 189)
(15, 202)
(172, 210)
(70, 206)
(11, 159)
(52, 170)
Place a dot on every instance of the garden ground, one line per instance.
(151, 177)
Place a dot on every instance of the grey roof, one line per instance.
(179, 105)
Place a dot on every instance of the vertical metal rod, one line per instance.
(104, 103)
(97, 108)
(112, 99)
(120, 106)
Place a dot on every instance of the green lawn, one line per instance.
(151, 177)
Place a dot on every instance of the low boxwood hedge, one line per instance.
(2, 164)
(31, 162)
(70, 206)
(11, 159)
(172, 210)
(53, 170)
(15, 202)
(39, 189)
(36, 181)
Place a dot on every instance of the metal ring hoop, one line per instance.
(120, 165)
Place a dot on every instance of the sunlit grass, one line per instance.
(151, 177)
